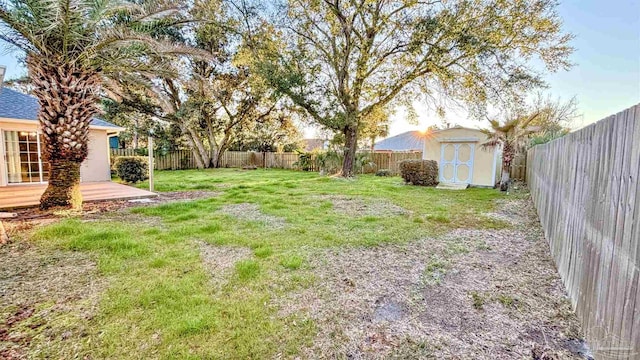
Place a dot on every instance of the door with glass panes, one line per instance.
(23, 157)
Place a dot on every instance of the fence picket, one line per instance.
(184, 159)
(585, 186)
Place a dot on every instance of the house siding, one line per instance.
(95, 168)
(484, 166)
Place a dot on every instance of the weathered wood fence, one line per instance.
(519, 167)
(184, 159)
(586, 189)
(173, 160)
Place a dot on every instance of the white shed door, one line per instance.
(456, 162)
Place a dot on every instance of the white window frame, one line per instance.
(5, 171)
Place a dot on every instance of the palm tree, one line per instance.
(512, 136)
(74, 50)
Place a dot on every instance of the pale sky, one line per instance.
(605, 80)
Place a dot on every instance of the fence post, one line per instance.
(150, 163)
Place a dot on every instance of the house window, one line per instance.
(23, 157)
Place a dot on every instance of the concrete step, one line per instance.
(452, 186)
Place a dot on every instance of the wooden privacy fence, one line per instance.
(184, 159)
(586, 189)
(391, 160)
(173, 160)
(519, 167)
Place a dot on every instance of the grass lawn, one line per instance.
(206, 278)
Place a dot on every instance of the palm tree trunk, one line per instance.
(507, 158)
(505, 178)
(68, 100)
(64, 185)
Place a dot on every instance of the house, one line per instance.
(407, 142)
(461, 157)
(21, 143)
(314, 144)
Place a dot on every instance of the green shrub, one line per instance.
(131, 168)
(329, 162)
(383, 172)
(363, 164)
(305, 161)
(419, 172)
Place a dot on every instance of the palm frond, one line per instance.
(524, 123)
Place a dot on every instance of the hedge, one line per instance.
(131, 168)
(419, 172)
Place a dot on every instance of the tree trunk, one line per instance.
(67, 95)
(217, 160)
(197, 148)
(222, 147)
(351, 144)
(64, 185)
(505, 178)
(507, 158)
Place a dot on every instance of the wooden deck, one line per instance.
(19, 196)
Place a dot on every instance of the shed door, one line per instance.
(456, 162)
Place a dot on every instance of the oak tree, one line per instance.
(344, 59)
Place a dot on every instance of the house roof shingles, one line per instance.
(408, 141)
(16, 105)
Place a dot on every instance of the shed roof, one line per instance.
(408, 141)
(16, 105)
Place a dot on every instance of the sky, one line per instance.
(605, 79)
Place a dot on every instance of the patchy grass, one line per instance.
(210, 281)
(292, 262)
(435, 270)
(478, 300)
(247, 269)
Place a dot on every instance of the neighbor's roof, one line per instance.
(16, 105)
(313, 144)
(409, 141)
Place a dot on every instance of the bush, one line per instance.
(329, 162)
(383, 172)
(131, 168)
(419, 172)
(305, 161)
(363, 163)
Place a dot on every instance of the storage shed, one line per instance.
(461, 157)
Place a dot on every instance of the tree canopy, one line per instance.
(345, 59)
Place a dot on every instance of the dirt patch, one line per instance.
(516, 211)
(38, 288)
(251, 212)
(354, 206)
(220, 260)
(472, 294)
